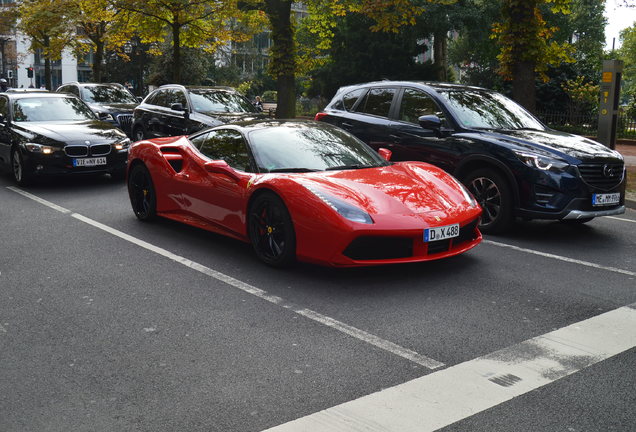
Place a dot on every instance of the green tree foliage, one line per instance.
(527, 45)
(627, 53)
(203, 24)
(49, 26)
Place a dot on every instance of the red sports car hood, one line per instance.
(404, 188)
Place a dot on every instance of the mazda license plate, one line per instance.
(89, 162)
(606, 199)
(441, 233)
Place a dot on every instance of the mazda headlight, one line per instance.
(346, 210)
(123, 144)
(39, 148)
(541, 162)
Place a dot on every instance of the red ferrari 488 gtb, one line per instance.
(303, 190)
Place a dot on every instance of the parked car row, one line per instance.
(347, 193)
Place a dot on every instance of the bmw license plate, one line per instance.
(606, 199)
(89, 162)
(441, 233)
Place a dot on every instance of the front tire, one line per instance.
(271, 231)
(141, 191)
(138, 133)
(20, 174)
(492, 192)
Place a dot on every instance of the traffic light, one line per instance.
(29, 72)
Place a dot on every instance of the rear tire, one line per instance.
(493, 193)
(141, 191)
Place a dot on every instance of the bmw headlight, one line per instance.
(541, 162)
(346, 210)
(123, 144)
(39, 148)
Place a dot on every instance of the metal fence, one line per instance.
(586, 123)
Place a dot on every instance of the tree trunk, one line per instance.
(176, 53)
(283, 65)
(523, 85)
(97, 61)
(47, 64)
(440, 57)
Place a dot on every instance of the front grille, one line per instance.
(466, 233)
(76, 150)
(125, 122)
(100, 149)
(377, 248)
(603, 176)
(438, 246)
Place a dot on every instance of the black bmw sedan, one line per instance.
(51, 134)
(512, 163)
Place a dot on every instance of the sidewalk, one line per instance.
(629, 154)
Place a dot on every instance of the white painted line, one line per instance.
(561, 258)
(315, 316)
(621, 219)
(445, 397)
(38, 199)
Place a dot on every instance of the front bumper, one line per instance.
(59, 163)
(582, 214)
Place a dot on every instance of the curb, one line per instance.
(630, 203)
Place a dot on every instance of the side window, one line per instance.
(377, 102)
(351, 98)
(73, 90)
(416, 103)
(4, 107)
(180, 97)
(227, 145)
(198, 140)
(159, 98)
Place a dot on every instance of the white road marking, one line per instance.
(361, 335)
(561, 258)
(621, 219)
(441, 398)
(38, 199)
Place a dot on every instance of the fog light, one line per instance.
(39, 167)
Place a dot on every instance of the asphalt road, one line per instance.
(111, 324)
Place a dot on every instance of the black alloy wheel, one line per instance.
(142, 193)
(20, 175)
(271, 231)
(492, 192)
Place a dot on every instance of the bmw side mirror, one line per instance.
(430, 122)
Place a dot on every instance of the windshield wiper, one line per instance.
(353, 166)
(280, 170)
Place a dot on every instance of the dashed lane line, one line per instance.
(560, 258)
(332, 323)
(445, 397)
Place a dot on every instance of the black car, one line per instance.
(52, 133)
(111, 102)
(173, 110)
(512, 163)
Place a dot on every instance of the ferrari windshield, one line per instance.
(216, 101)
(299, 147)
(46, 109)
(102, 94)
(477, 109)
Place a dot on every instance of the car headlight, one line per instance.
(344, 209)
(122, 144)
(105, 117)
(467, 195)
(39, 148)
(541, 162)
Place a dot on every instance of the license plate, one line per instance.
(606, 199)
(89, 162)
(441, 233)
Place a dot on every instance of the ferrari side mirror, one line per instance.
(385, 153)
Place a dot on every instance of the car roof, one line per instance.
(252, 125)
(41, 94)
(193, 87)
(429, 85)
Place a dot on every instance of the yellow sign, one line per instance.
(604, 112)
(607, 77)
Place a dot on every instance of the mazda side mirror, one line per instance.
(430, 122)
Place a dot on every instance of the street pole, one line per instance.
(610, 88)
